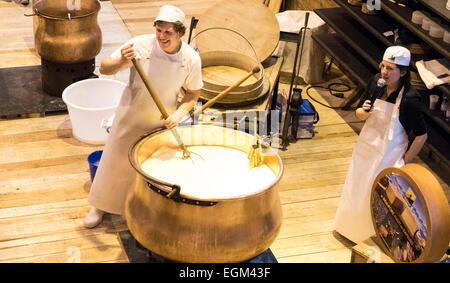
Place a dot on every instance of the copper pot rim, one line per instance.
(52, 17)
(166, 186)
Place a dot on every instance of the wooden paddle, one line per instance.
(165, 115)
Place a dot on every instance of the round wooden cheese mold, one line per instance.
(410, 214)
(237, 98)
(220, 69)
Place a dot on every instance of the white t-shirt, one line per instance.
(146, 45)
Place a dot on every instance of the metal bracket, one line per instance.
(298, 38)
(175, 196)
(194, 22)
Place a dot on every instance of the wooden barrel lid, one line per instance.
(410, 214)
(251, 19)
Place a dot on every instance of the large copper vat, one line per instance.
(67, 33)
(188, 229)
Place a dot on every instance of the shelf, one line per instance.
(376, 24)
(403, 15)
(343, 55)
(437, 139)
(437, 6)
(368, 47)
(358, 47)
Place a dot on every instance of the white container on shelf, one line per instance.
(418, 16)
(436, 30)
(427, 22)
(446, 36)
(433, 101)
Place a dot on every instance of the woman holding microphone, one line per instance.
(391, 108)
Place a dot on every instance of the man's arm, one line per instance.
(187, 104)
(111, 66)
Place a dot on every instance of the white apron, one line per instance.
(381, 144)
(136, 115)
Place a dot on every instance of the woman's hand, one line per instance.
(366, 106)
(363, 112)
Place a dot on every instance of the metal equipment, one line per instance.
(288, 115)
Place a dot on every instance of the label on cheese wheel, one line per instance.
(399, 217)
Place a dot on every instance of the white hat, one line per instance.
(398, 55)
(171, 14)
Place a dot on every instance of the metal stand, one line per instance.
(194, 22)
(299, 39)
(137, 253)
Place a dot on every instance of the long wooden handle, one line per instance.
(227, 90)
(150, 89)
(158, 103)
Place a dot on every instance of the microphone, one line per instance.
(380, 84)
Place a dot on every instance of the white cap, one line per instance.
(171, 14)
(398, 55)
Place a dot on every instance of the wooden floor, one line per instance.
(44, 175)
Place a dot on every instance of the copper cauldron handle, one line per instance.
(174, 193)
(175, 196)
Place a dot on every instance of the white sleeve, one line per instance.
(140, 43)
(194, 79)
(117, 54)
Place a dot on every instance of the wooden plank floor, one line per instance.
(44, 175)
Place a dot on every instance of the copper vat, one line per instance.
(188, 229)
(67, 31)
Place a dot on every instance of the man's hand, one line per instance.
(128, 52)
(110, 66)
(173, 120)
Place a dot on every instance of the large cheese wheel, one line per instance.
(410, 214)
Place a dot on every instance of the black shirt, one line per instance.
(411, 116)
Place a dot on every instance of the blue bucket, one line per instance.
(94, 159)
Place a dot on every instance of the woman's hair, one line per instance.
(405, 80)
(177, 26)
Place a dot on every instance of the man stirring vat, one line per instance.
(169, 63)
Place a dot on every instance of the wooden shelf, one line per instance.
(437, 6)
(359, 43)
(355, 67)
(368, 47)
(375, 24)
(403, 15)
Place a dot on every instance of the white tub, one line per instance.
(89, 103)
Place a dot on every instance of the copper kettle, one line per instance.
(67, 31)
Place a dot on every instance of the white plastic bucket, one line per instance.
(89, 102)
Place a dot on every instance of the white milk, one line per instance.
(222, 173)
